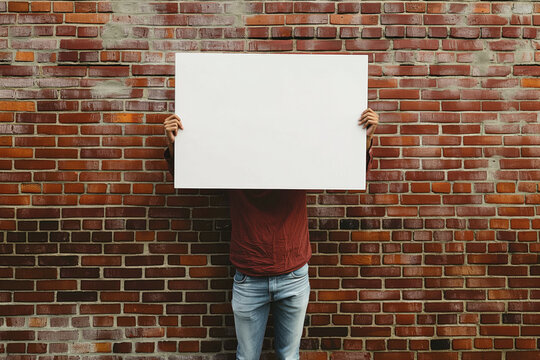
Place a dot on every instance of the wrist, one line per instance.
(369, 143)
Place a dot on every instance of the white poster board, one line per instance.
(270, 121)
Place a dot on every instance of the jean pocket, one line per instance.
(239, 278)
(300, 273)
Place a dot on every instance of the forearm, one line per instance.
(369, 154)
(169, 157)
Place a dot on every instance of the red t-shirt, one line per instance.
(269, 231)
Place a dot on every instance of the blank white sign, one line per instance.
(270, 121)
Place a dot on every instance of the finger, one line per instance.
(368, 120)
(173, 123)
(363, 123)
(372, 122)
(169, 118)
(368, 114)
(172, 118)
(169, 124)
(373, 119)
(368, 111)
(369, 117)
(176, 120)
(363, 119)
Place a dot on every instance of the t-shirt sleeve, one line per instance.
(170, 161)
(369, 157)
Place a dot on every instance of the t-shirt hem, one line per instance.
(249, 272)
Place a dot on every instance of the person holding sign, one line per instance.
(270, 250)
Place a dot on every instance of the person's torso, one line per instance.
(269, 231)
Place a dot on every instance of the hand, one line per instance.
(171, 125)
(369, 120)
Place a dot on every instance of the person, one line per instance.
(270, 250)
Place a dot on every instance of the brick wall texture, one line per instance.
(100, 258)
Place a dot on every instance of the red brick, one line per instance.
(191, 332)
(274, 45)
(370, 7)
(151, 69)
(393, 355)
(366, 45)
(326, 32)
(265, 20)
(423, 44)
(18, 6)
(369, 331)
(394, 7)
(318, 45)
(348, 7)
(419, 106)
(486, 20)
(462, 45)
(87, 18)
(367, 32)
(349, 19)
(405, 70)
(449, 70)
(406, 19)
(314, 7)
(522, 355)
(299, 19)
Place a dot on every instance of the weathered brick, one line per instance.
(452, 192)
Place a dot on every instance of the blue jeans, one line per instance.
(288, 294)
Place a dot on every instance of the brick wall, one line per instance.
(102, 259)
